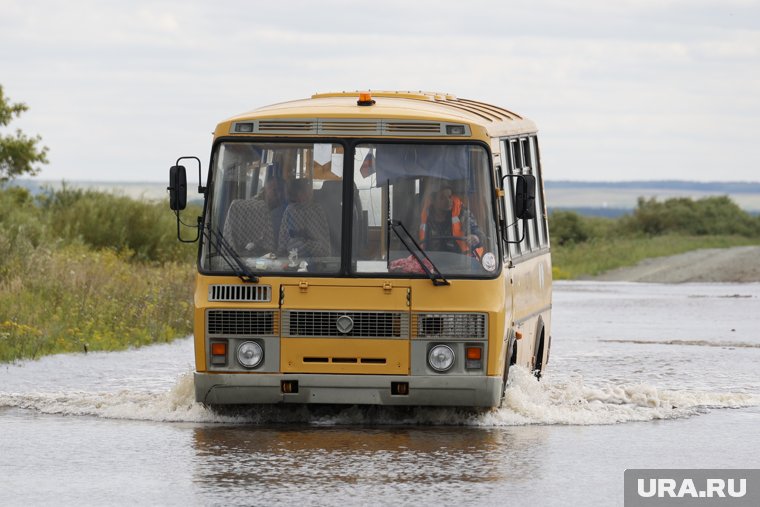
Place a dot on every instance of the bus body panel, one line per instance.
(344, 356)
(402, 356)
(341, 295)
(532, 278)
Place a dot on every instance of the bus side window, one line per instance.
(522, 227)
(540, 212)
(502, 209)
(531, 240)
(509, 193)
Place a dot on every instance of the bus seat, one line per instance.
(330, 197)
(248, 227)
(305, 227)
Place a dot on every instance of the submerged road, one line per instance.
(641, 376)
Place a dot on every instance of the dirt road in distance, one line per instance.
(728, 265)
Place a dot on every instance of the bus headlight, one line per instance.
(441, 358)
(250, 354)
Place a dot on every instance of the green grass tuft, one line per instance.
(89, 271)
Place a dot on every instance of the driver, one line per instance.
(447, 225)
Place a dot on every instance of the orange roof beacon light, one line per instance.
(365, 99)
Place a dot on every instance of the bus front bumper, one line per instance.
(439, 390)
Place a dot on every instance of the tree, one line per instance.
(19, 153)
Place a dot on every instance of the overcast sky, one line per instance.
(620, 90)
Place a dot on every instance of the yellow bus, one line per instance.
(385, 248)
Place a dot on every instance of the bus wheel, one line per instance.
(510, 359)
(538, 362)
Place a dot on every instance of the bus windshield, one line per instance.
(278, 207)
(440, 194)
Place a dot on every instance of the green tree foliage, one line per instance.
(707, 216)
(567, 227)
(19, 153)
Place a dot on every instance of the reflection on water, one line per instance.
(399, 463)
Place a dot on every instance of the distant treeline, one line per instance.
(589, 245)
(84, 270)
(718, 187)
(593, 211)
(702, 217)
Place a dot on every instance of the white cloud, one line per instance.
(118, 90)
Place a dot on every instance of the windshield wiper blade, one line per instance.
(229, 255)
(435, 275)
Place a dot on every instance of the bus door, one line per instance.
(510, 235)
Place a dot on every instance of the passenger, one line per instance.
(447, 225)
(252, 224)
(304, 225)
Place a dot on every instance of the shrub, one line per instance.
(87, 269)
(567, 228)
(73, 298)
(144, 230)
(708, 216)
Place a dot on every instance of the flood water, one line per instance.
(640, 376)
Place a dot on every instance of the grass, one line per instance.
(87, 271)
(75, 299)
(601, 254)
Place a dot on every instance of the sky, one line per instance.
(620, 90)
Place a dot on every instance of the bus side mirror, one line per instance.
(177, 188)
(525, 197)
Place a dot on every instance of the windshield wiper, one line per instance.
(435, 275)
(229, 255)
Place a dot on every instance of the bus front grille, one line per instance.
(241, 323)
(303, 323)
(466, 326)
(238, 292)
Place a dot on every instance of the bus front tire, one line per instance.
(538, 360)
(509, 359)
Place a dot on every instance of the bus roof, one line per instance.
(305, 116)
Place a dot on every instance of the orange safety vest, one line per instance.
(456, 224)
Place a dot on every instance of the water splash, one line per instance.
(527, 402)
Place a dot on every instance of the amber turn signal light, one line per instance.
(474, 353)
(473, 357)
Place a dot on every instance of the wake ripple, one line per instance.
(527, 402)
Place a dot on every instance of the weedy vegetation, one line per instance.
(86, 271)
(585, 246)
